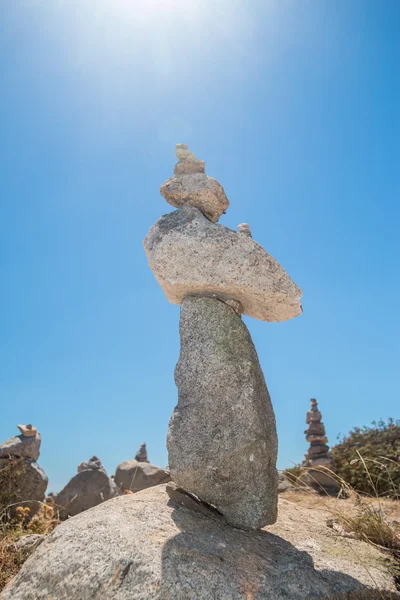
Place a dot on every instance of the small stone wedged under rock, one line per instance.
(190, 255)
(222, 442)
(146, 546)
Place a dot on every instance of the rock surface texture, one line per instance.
(22, 481)
(25, 481)
(88, 488)
(21, 446)
(134, 476)
(222, 442)
(189, 255)
(146, 547)
(191, 186)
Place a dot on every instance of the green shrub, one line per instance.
(293, 473)
(368, 459)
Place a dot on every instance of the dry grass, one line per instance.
(11, 530)
(371, 519)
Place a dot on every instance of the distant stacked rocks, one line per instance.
(139, 474)
(22, 481)
(88, 488)
(318, 460)
(141, 454)
(222, 442)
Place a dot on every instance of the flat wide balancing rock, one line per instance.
(190, 255)
(222, 442)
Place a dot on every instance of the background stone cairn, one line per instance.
(141, 454)
(318, 455)
(22, 481)
(222, 441)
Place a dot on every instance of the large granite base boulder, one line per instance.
(147, 547)
(222, 442)
(87, 489)
(22, 482)
(134, 476)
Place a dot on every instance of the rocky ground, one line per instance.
(147, 545)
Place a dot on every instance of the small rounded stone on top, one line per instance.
(182, 152)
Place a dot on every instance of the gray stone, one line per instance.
(189, 166)
(189, 255)
(134, 476)
(198, 190)
(22, 482)
(188, 162)
(222, 442)
(28, 543)
(147, 547)
(87, 489)
(93, 463)
(183, 153)
(21, 446)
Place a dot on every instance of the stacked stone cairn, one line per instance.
(222, 442)
(318, 460)
(22, 481)
(141, 454)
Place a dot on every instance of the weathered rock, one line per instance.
(189, 166)
(27, 430)
(189, 255)
(222, 442)
(22, 482)
(188, 162)
(93, 463)
(284, 485)
(87, 489)
(191, 186)
(21, 446)
(134, 476)
(198, 190)
(147, 547)
(28, 543)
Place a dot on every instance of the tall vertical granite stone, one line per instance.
(222, 442)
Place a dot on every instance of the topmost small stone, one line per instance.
(182, 152)
(27, 430)
(188, 162)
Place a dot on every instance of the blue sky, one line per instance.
(294, 106)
